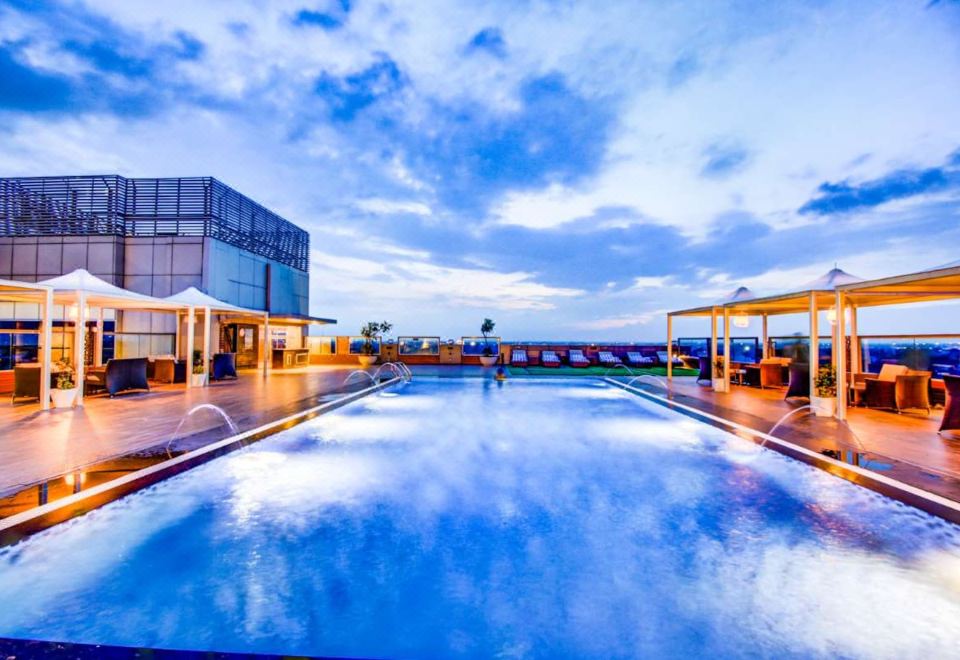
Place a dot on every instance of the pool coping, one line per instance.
(918, 498)
(26, 523)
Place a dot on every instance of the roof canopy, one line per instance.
(98, 293)
(13, 291)
(194, 297)
(927, 286)
(742, 301)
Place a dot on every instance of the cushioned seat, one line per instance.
(119, 375)
(799, 385)
(224, 366)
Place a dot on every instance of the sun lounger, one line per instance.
(577, 359)
(662, 358)
(608, 359)
(518, 357)
(635, 359)
(549, 359)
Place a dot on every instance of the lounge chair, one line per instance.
(608, 359)
(119, 375)
(662, 359)
(897, 388)
(26, 382)
(578, 359)
(951, 410)
(549, 359)
(635, 359)
(518, 357)
(224, 366)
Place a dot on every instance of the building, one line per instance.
(155, 236)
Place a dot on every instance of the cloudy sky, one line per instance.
(571, 169)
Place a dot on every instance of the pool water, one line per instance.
(469, 518)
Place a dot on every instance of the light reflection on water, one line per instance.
(556, 518)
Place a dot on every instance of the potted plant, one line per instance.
(65, 393)
(199, 377)
(824, 401)
(487, 358)
(370, 332)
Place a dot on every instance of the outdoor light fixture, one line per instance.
(741, 321)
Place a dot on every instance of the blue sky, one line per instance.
(569, 169)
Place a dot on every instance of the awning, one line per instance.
(926, 286)
(99, 293)
(194, 297)
(14, 291)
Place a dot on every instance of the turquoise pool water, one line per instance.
(467, 518)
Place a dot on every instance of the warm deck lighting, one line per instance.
(741, 321)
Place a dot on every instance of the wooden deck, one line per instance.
(921, 457)
(36, 445)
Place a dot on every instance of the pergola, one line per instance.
(42, 296)
(812, 298)
(194, 299)
(713, 311)
(936, 285)
(78, 291)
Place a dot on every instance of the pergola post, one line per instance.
(98, 340)
(713, 346)
(814, 343)
(840, 356)
(854, 342)
(176, 336)
(206, 343)
(191, 324)
(46, 349)
(80, 343)
(267, 353)
(669, 347)
(766, 337)
(727, 349)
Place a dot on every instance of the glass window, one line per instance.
(474, 346)
(419, 345)
(940, 355)
(744, 349)
(798, 348)
(325, 345)
(356, 345)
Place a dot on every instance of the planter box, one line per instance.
(489, 360)
(63, 398)
(367, 360)
(823, 406)
(198, 380)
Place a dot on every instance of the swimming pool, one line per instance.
(465, 517)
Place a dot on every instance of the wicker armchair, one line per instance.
(897, 388)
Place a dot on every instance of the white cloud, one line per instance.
(380, 206)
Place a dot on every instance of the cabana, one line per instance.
(194, 299)
(713, 311)
(814, 297)
(78, 291)
(935, 285)
(42, 296)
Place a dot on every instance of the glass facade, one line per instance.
(20, 342)
(412, 346)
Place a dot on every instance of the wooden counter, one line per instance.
(285, 358)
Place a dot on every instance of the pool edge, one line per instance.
(27, 523)
(918, 498)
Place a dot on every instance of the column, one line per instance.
(713, 344)
(840, 356)
(206, 342)
(176, 337)
(669, 347)
(267, 346)
(765, 338)
(727, 346)
(855, 356)
(814, 342)
(46, 349)
(191, 322)
(80, 343)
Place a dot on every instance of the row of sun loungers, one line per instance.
(576, 358)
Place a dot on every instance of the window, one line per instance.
(744, 349)
(356, 345)
(939, 355)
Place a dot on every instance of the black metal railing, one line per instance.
(114, 205)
